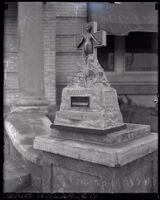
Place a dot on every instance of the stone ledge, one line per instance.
(40, 109)
(32, 101)
(22, 128)
(100, 154)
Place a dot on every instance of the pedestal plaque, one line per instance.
(77, 101)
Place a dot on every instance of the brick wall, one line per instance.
(62, 21)
(49, 51)
(6, 146)
(11, 89)
(69, 19)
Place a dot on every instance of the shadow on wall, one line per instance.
(133, 113)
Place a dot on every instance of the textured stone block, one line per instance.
(70, 181)
(103, 111)
(74, 175)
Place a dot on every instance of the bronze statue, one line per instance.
(87, 41)
(91, 72)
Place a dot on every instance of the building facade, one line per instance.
(40, 58)
(130, 58)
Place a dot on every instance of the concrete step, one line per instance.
(15, 177)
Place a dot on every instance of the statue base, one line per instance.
(87, 130)
(89, 108)
(88, 101)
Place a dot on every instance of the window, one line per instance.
(106, 54)
(141, 51)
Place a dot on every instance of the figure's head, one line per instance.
(88, 27)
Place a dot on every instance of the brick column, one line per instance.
(49, 32)
(31, 57)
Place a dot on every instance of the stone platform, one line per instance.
(125, 161)
(113, 137)
(65, 174)
(112, 149)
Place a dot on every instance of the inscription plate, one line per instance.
(79, 101)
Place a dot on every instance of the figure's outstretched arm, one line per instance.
(98, 42)
(81, 42)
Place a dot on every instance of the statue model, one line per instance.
(88, 101)
(87, 41)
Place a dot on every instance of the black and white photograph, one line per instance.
(80, 97)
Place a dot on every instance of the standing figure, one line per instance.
(87, 42)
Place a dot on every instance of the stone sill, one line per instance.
(22, 128)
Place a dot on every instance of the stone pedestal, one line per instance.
(31, 65)
(101, 113)
(82, 154)
(64, 174)
(88, 101)
(123, 162)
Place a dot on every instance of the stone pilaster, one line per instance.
(31, 57)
